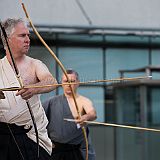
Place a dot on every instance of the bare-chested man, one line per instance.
(21, 144)
(67, 136)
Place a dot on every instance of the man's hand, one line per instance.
(26, 93)
(90, 116)
(2, 95)
(82, 120)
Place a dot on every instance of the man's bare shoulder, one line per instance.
(33, 60)
(83, 98)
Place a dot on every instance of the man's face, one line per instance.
(72, 79)
(19, 40)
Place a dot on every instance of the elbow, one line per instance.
(95, 117)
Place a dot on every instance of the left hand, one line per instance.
(26, 93)
(82, 120)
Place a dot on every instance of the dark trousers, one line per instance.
(66, 152)
(17, 146)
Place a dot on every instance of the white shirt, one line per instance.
(13, 109)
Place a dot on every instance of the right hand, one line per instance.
(2, 95)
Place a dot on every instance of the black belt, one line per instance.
(6, 127)
(65, 146)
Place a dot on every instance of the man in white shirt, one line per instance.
(17, 134)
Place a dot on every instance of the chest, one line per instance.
(28, 73)
(73, 107)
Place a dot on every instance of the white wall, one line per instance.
(109, 13)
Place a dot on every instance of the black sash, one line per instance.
(6, 128)
(63, 151)
(64, 146)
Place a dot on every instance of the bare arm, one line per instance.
(90, 113)
(43, 77)
(90, 116)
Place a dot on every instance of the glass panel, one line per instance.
(128, 38)
(154, 122)
(156, 40)
(153, 141)
(86, 61)
(127, 103)
(81, 38)
(156, 63)
(134, 144)
(122, 59)
(154, 108)
(128, 144)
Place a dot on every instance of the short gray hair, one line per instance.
(9, 24)
(71, 71)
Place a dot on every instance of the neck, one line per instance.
(70, 95)
(16, 58)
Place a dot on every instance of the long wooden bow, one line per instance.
(21, 85)
(63, 70)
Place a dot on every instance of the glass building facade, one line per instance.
(99, 57)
